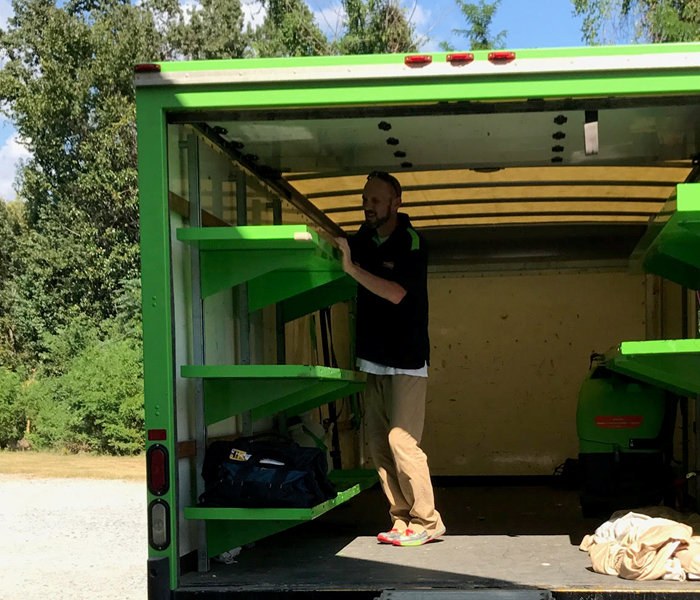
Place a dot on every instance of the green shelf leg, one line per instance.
(223, 536)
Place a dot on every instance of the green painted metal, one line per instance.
(569, 84)
(154, 103)
(671, 246)
(266, 390)
(156, 284)
(232, 527)
(304, 273)
(389, 59)
(673, 365)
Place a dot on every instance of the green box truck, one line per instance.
(558, 192)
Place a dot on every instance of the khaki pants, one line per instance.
(395, 414)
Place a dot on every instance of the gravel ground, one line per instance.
(72, 539)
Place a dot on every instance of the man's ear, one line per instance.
(397, 202)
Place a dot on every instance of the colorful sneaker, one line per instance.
(388, 537)
(411, 538)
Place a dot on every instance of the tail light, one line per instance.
(159, 524)
(460, 58)
(147, 68)
(501, 56)
(158, 473)
(418, 60)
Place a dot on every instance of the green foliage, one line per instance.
(95, 405)
(11, 415)
(70, 296)
(289, 29)
(479, 18)
(613, 21)
(213, 31)
(376, 27)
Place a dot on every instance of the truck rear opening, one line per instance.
(557, 192)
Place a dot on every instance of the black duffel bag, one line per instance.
(265, 472)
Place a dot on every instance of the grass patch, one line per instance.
(84, 466)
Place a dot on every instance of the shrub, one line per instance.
(12, 419)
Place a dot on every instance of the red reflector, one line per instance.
(147, 68)
(157, 458)
(501, 56)
(417, 60)
(157, 435)
(463, 57)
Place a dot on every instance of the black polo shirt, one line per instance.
(394, 335)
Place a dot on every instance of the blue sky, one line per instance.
(529, 23)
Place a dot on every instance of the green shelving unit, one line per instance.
(229, 528)
(289, 264)
(266, 390)
(673, 365)
(671, 246)
(670, 249)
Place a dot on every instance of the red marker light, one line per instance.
(157, 475)
(463, 57)
(501, 56)
(418, 60)
(157, 435)
(147, 68)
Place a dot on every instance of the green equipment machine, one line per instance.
(625, 430)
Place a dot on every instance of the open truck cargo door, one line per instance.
(541, 162)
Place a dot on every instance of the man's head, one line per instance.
(381, 199)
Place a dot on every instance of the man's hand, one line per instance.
(348, 265)
(389, 290)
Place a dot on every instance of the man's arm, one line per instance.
(389, 290)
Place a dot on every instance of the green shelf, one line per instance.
(229, 528)
(290, 264)
(671, 246)
(266, 390)
(673, 365)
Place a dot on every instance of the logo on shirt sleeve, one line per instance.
(388, 265)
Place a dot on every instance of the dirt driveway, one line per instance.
(72, 539)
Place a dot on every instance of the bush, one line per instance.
(12, 419)
(103, 390)
(48, 415)
(96, 405)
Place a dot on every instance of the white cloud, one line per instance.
(420, 17)
(330, 20)
(10, 154)
(253, 13)
(188, 7)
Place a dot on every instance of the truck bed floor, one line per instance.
(497, 537)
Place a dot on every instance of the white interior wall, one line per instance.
(508, 356)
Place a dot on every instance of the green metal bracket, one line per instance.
(671, 246)
(266, 390)
(673, 365)
(281, 263)
(229, 528)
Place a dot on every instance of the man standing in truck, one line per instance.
(389, 259)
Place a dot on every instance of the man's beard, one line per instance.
(377, 223)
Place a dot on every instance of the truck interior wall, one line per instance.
(300, 350)
(508, 356)
(677, 320)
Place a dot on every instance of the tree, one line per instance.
(376, 27)
(10, 232)
(214, 30)
(613, 21)
(479, 17)
(289, 29)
